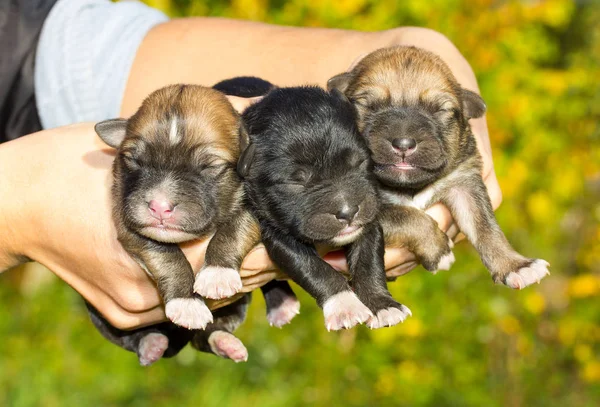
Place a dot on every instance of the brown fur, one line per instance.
(191, 133)
(406, 93)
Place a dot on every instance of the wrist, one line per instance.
(12, 227)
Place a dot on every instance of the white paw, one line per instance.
(228, 346)
(217, 282)
(152, 347)
(528, 275)
(389, 317)
(445, 262)
(344, 310)
(284, 313)
(190, 313)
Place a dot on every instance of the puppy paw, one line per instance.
(436, 254)
(445, 262)
(190, 313)
(217, 282)
(389, 317)
(228, 346)
(284, 312)
(525, 276)
(151, 348)
(344, 310)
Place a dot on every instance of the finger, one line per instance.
(460, 236)
(122, 319)
(214, 304)
(194, 251)
(337, 260)
(441, 215)
(259, 279)
(453, 233)
(256, 261)
(400, 270)
(397, 256)
(240, 104)
(493, 189)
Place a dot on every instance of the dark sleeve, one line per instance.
(20, 26)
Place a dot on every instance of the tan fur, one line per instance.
(204, 114)
(392, 82)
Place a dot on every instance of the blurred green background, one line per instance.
(469, 343)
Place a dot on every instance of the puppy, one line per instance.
(209, 124)
(175, 180)
(414, 116)
(307, 177)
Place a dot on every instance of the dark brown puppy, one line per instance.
(175, 180)
(414, 116)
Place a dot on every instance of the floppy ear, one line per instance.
(245, 161)
(247, 150)
(340, 82)
(473, 104)
(244, 138)
(112, 132)
(336, 93)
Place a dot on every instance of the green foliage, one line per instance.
(469, 343)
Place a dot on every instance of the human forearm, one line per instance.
(13, 209)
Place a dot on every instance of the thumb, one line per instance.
(240, 104)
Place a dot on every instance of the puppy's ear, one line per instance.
(340, 82)
(244, 138)
(473, 104)
(112, 132)
(245, 161)
(336, 93)
(247, 150)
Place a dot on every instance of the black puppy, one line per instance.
(307, 176)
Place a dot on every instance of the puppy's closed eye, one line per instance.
(361, 163)
(213, 170)
(299, 177)
(132, 161)
(355, 160)
(447, 112)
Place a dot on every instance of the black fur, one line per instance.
(310, 179)
(244, 86)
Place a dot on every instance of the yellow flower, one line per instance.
(586, 285)
(591, 372)
(583, 353)
(251, 9)
(510, 325)
(541, 207)
(535, 303)
(413, 328)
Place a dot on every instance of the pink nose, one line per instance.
(161, 208)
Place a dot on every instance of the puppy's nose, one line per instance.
(161, 208)
(347, 213)
(405, 145)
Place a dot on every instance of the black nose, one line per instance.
(347, 213)
(406, 144)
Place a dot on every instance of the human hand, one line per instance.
(58, 212)
(240, 104)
